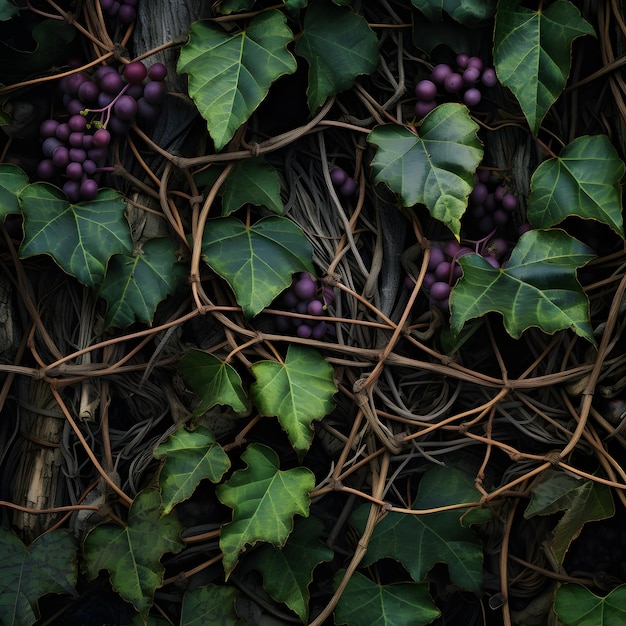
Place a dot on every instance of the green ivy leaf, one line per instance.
(338, 46)
(365, 603)
(27, 573)
(135, 284)
(433, 167)
(532, 52)
(298, 391)
(132, 553)
(231, 73)
(235, 6)
(264, 500)
(7, 10)
(582, 500)
(190, 456)
(575, 605)
(258, 260)
(469, 12)
(584, 180)
(252, 181)
(213, 381)
(538, 286)
(12, 181)
(420, 541)
(82, 237)
(288, 571)
(212, 604)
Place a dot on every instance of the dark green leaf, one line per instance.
(257, 261)
(584, 180)
(468, 12)
(575, 605)
(213, 381)
(264, 500)
(12, 181)
(538, 286)
(338, 46)
(213, 604)
(81, 238)
(230, 73)
(27, 573)
(434, 166)
(190, 456)
(7, 10)
(532, 52)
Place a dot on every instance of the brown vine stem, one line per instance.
(79, 435)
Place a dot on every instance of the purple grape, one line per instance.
(61, 156)
(490, 202)
(281, 323)
(87, 142)
(157, 71)
(111, 83)
(146, 110)
(63, 132)
(76, 139)
(463, 251)
(126, 14)
(440, 73)
(88, 189)
(498, 193)
(48, 128)
(426, 90)
(74, 106)
(89, 167)
(461, 60)
(134, 91)
(457, 272)
(453, 83)
(106, 5)
(302, 306)
(451, 248)
(500, 217)
(96, 154)
(429, 280)
(118, 126)
(125, 108)
(319, 330)
(489, 78)
(476, 62)
(509, 202)
(348, 188)
(73, 82)
(497, 247)
(101, 138)
(493, 262)
(74, 171)
(315, 307)
(471, 75)
(135, 72)
(440, 291)
(115, 7)
(305, 287)
(436, 257)
(49, 145)
(104, 99)
(88, 92)
(479, 193)
(304, 331)
(338, 176)
(154, 92)
(71, 188)
(46, 169)
(423, 108)
(472, 97)
(101, 72)
(442, 271)
(77, 155)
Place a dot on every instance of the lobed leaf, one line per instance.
(575, 605)
(338, 46)
(257, 260)
(538, 287)
(82, 237)
(12, 180)
(190, 456)
(230, 73)
(468, 12)
(532, 52)
(264, 500)
(212, 604)
(433, 167)
(298, 391)
(584, 180)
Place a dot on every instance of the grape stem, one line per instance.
(104, 120)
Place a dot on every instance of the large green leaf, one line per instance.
(213, 381)
(12, 181)
(7, 10)
(132, 553)
(582, 500)
(538, 286)
(264, 500)
(252, 181)
(297, 391)
(230, 73)
(575, 605)
(434, 166)
(288, 571)
(190, 456)
(258, 260)
(468, 12)
(420, 541)
(365, 603)
(134, 284)
(584, 180)
(81, 238)
(213, 604)
(338, 46)
(532, 52)
(27, 573)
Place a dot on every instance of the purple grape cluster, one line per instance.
(123, 10)
(465, 81)
(345, 185)
(305, 296)
(75, 146)
(490, 205)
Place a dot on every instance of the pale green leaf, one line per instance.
(538, 287)
(575, 605)
(264, 500)
(190, 456)
(298, 391)
(230, 73)
(434, 165)
(212, 604)
(12, 181)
